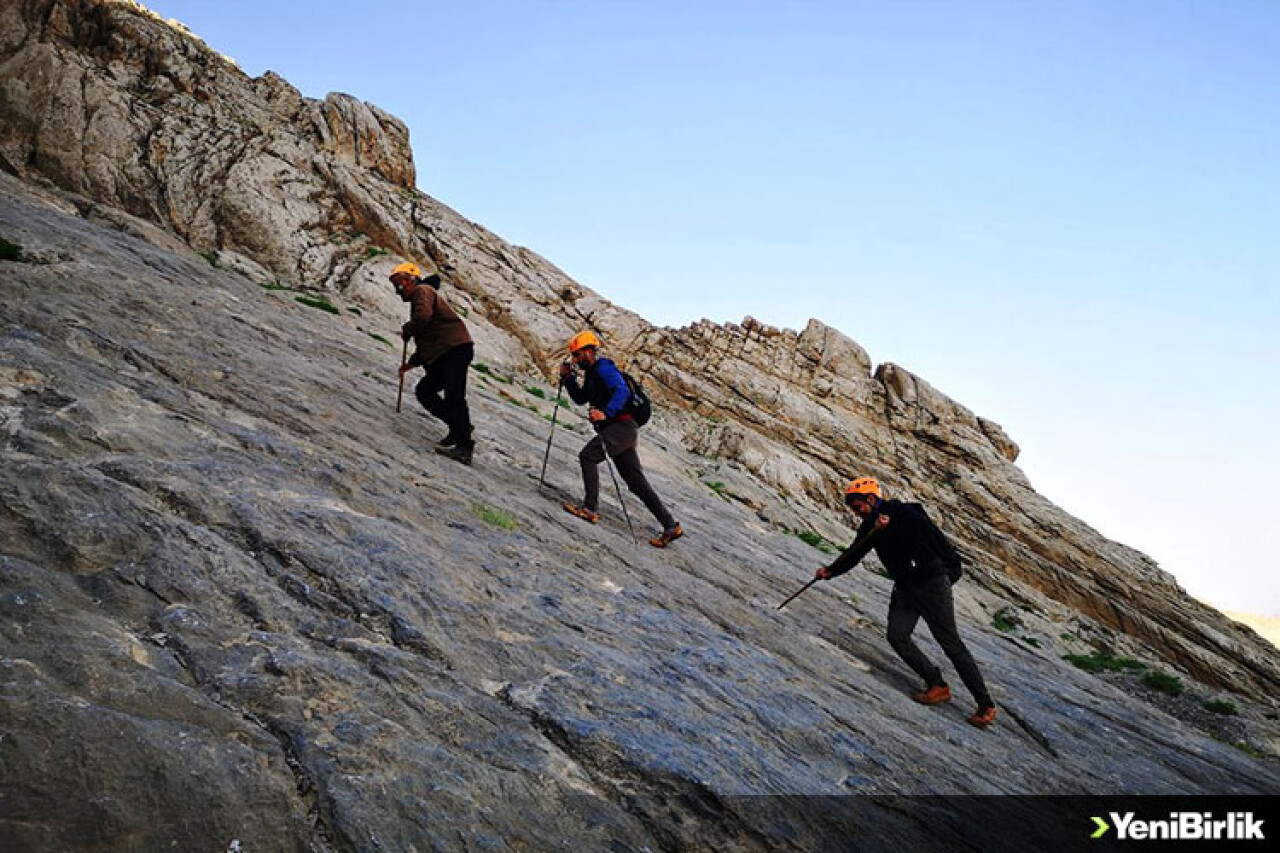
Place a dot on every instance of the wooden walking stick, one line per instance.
(404, 357)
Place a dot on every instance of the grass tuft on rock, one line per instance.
(318, 302)
(1164, 682)
(815, 540)
(1221, 706)
(1103, 662)
(1005, 619)
(494, 517)
(1244, 746)
(10, 251)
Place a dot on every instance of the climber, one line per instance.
(444, 348)
(605, 389)
(923, 565)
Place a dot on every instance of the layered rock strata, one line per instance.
(222, 557)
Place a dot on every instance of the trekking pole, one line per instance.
(796, 594)
(542, 478)
(625, 514)
(404, 356)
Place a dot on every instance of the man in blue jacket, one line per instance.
(604, 389)
(918, 557)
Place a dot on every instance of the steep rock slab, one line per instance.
(228, 565)
(107, 101)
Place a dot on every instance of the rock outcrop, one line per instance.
(238, 601)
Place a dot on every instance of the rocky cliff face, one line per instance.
(241, 603)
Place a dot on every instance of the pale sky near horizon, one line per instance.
(1063, 215)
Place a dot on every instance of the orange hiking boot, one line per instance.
(983, 717)
(581, 512)
(935, 695)
(667, 536)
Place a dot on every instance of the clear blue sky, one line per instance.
(1064, 215)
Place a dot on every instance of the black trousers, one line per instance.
(443, 391)
(618, 439)
(932, 601)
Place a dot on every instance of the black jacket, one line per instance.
(911, 546)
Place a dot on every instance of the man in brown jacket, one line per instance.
(443, 346)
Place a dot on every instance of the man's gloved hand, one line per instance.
(595, 415)
(566, 370)
(822, 574)
(405, 334)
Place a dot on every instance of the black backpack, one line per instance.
(949, 555)
(638, 406)
(942, 547)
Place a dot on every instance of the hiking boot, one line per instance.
(452, 440)
(459, 452)
(935, 695)
(581, 512)
(667, 536)
(983, 717)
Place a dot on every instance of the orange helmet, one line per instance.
(862, 486)
(582, 340)
(408, 267)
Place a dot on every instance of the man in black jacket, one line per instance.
(921, 562)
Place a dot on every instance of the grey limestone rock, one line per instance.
(241, 601)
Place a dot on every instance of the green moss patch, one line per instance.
(816, 540)
(494, 517)
(1103, 662)
(318, 302)
(1163, 682)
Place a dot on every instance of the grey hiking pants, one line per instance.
(932, 600)
(619, 440)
